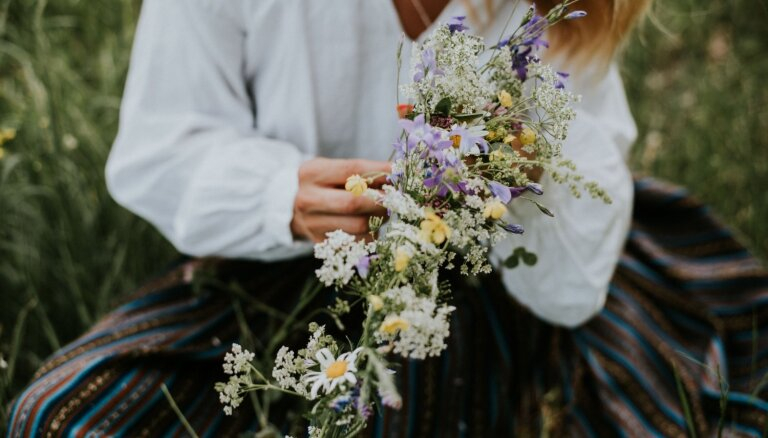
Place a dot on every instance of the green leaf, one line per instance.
(530, 258)
(467, 117)
(518, 255)
(444, 106)
(512, 261)
(544, 209)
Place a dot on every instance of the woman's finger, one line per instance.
(336, 201)
(319, 224)
(334, 172)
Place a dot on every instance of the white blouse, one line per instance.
(226, 98)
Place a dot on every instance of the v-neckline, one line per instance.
(401, 27)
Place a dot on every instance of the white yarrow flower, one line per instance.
(340, 252)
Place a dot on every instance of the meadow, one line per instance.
(695, 76)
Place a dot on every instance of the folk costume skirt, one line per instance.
(680, 349)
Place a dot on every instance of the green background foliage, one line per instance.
(695, 77)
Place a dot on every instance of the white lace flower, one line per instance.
(340, 252)
(398, 203)
(237, 361)
(334, 371)
(419, 329)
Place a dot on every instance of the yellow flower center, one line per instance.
(394, 323)
(456, 139)
(336, 369)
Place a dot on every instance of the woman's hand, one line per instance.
(322, 205)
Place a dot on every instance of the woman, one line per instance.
(227, 107)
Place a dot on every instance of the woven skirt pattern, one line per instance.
(680, 349)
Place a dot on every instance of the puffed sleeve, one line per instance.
(188, 157)
(578, 249)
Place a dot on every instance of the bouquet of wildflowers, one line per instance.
(474, 138)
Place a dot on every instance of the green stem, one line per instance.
(178, 412)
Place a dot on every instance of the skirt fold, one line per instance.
(681, 344)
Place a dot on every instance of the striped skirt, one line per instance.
(681, 348)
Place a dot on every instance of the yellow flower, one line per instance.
(505, 99)
(494, 210)
(356, 185)
(434, 229)
(7, 134)
(527, 136)
(402, 258)
(510, 139)
(392, 324)
(497, 155)
(376, 302)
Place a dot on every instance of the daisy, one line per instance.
(333, 371)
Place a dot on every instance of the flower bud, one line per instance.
(434, 229)
(497, 155)
(505, 99)
(527, 136)
(392, 324)
(402, 258)
(403, 110)
(356, 185)
(494, 210)
(376, 302)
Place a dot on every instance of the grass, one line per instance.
(697, 88)
(695, 80)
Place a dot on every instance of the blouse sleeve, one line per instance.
(188, 157)
(579, 248)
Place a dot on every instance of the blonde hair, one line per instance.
(593, 39)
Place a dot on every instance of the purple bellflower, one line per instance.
(575, 15)
(427, 67)
(363, 266)
(506, 194)
(513, 228)
(456, 24)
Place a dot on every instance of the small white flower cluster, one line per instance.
(290, 367)
(419, 328)
(238, 360)
(472, 236)
(340, 252)
(237, 365)
(553, 100)
(457, 56)
(412, 234)
(397, 203)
